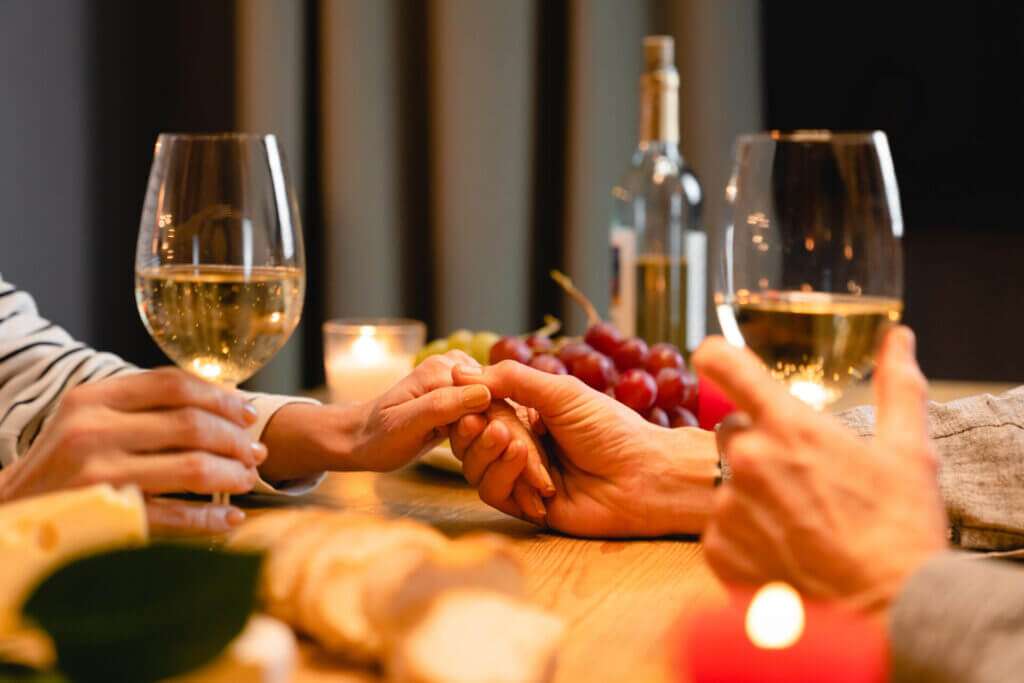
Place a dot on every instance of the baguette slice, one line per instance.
(477, 636)
(285, 563)
(398, 590)
(330, 599)
(264, 652)
(263, 531)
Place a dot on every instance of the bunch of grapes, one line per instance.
(652, 381)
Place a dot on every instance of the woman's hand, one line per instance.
(162, 431)
(614, 473)
(809, 502)
(406, 421)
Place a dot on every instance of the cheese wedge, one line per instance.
(476, 636)
(41, 533)
(264, 652)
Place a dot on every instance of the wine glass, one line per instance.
(811, 263)
(219, 266)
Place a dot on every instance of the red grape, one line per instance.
(572, 352)
(636, 389)
(690, 389)
(594, 369)
(658, 416)
(603, 337)
(631, 353)
(664, 355)
(681, 417)
(545, 362)
(510, 348)
(539, 343)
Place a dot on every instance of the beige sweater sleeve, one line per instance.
(960, 619)
(980, 442)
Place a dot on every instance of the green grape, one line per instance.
(434, 348)
(460, 340)
(480, 347)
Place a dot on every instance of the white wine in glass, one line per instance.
(811, 266)
(219, 268)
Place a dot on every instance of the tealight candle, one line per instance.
(363, 358)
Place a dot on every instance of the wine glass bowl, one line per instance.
(811, 263)
(219, 274)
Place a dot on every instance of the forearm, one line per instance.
(681, 481)
(980, 442)
(959, 619)
(304, 440)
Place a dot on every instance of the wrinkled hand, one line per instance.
(614, 473)
(809, 502)
(162, 431)
(413, 416)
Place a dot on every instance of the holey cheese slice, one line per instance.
(39, 534)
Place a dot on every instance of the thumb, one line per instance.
(441, 407)
(168, 517)
(901, 391)
(548, 393)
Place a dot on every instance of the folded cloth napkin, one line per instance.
(980, 442)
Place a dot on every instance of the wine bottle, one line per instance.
(658, 246)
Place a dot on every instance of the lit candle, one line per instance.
(775, 637)
(364, 358)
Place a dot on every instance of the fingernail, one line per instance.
(470, 370)
(538, 507)
(512, 452)
(259, 451)
(235, 517)
(476, 396)
(908, 339)
(250, 412)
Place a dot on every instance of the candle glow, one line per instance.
(775, 617)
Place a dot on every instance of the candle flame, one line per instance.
(775, 617)
(366, 349)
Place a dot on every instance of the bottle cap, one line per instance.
(659, 52)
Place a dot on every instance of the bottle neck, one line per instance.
(659, 106)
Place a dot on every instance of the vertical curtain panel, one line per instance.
(456, 149)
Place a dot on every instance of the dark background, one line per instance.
(943, 80)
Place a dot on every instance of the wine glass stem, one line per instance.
(223, 498)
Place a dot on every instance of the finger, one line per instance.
(182, 518)
(741, 376)
(439, 408)
(171, 388)
(516, 417)
(536, 473)
(485, 450)
(901, 391)
(500, 477)
(435, 372)
(466, 430)
(549, 394)
(192, 472)
(537, 422)
(186, 429)
(529, 501)
(731, 426)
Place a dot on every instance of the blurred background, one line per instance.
(448, 153)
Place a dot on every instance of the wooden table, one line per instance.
(619, 598)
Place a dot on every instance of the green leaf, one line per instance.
(145, 613)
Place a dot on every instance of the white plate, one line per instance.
(442, 458)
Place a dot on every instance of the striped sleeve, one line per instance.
(40, 362)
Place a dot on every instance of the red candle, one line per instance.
(775, 637)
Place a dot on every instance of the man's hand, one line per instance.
(810, 503)
(614, 473)
(162, 431)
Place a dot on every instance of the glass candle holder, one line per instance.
(364, 357)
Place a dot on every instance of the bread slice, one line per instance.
(477, 636)
(330, 596)
(287, 558)
(398, 590)
(264, 652)
(263, 531)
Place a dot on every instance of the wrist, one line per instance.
(682, 480)
(305, 440)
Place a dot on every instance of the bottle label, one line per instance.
(696, 246)
(622, 310)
